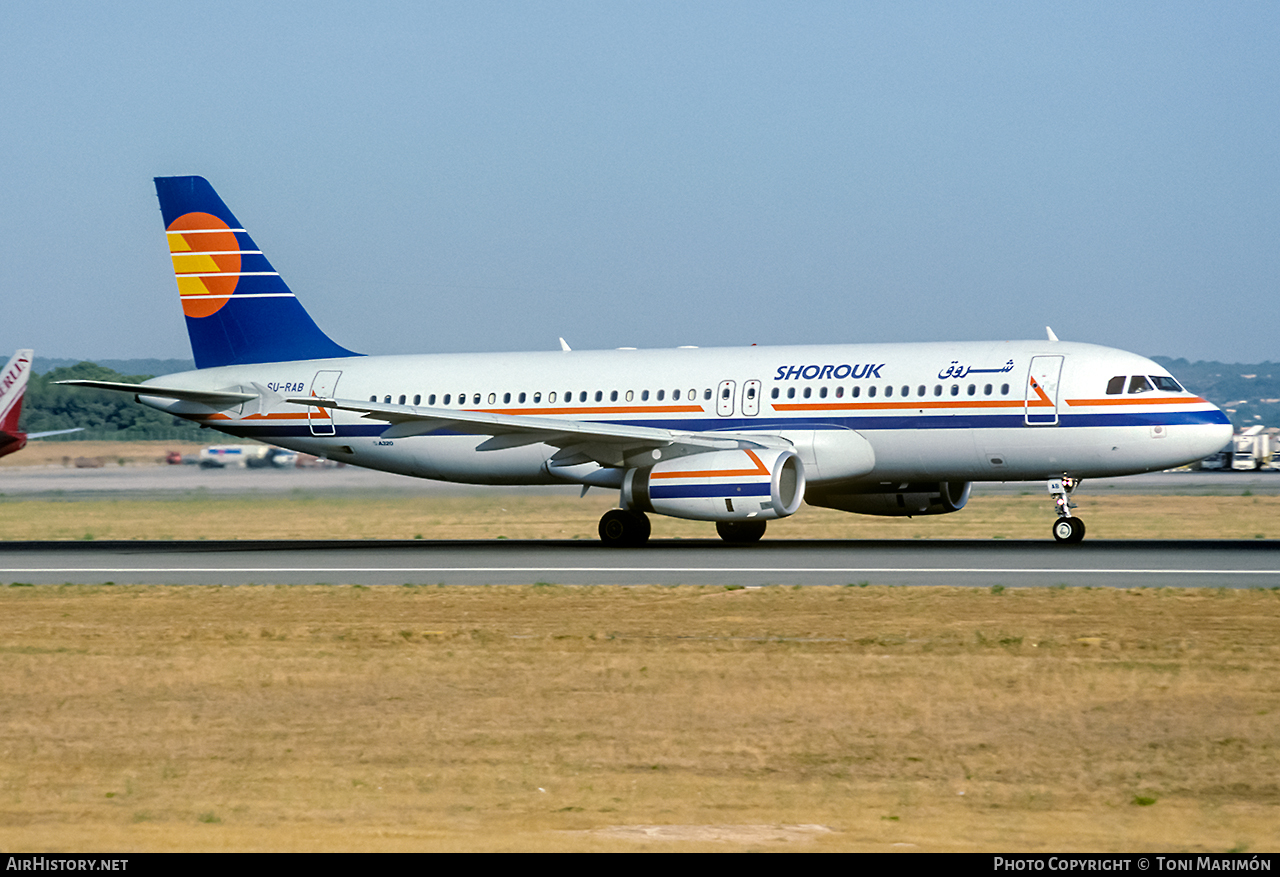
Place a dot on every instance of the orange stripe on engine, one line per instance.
(760, 469)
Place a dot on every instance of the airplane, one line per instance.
(13, 386)
(734, 436)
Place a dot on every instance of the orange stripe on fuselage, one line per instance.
(1137, 400)
(898, 406)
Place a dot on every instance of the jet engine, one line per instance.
(739, 485)
(896, 500)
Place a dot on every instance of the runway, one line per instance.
(968, 563)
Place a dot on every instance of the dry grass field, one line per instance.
(560, 718)
(531, 516)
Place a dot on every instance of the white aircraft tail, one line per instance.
(13, 385)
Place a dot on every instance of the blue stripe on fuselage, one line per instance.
(858, 422)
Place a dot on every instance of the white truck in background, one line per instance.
(1252, 449)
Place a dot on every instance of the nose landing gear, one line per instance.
(1067, 530)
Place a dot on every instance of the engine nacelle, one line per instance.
(755, 484)
(897, 500)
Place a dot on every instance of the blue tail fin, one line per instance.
(238, 308)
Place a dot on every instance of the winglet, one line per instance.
(564, 345)
(1049, 331)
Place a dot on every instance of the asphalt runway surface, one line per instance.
(977, 563)
(971, 563)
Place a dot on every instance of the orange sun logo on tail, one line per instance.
(206, 262)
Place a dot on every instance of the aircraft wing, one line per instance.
(213, 398)
(609, 444)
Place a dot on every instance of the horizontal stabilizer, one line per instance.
(212, 398)
(36, 435)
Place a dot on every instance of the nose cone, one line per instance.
(1195, 441)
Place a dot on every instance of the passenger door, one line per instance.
(1041, 402)
(323, 386)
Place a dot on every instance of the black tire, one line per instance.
(1068, 531)
(740, 532)
(620, 528)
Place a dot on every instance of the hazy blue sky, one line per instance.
(487, 176)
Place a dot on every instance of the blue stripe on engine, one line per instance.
(686, 491)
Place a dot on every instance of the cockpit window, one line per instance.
(1115, 386)
(1139, 384)
(1167, 384)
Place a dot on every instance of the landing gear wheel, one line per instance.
(620, 527)
(1068, 531)
(740, 531)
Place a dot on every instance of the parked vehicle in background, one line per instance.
(1252, 449)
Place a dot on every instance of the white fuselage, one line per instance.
(971, 411)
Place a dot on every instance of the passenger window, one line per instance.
(839, 392)
(613, 396)
(888, 391)
(906, 391)
(706, 394)
(986, 391)
(920, 390)
(401, 402)
(447, 397)
(600, 395)
(693, 396)
(431, 400)
(1115, 386)
(551, 397)
(661, 395)
(582, 397)
(522, 398)
(537, 398)
(1004, 389)
(644, 396)
(417, 398)
(386, 400)
(506, 398)
(972, 389)
(791, 392)
(630, 395)
(475, 400)
(493, 397)
(808, 391)
(1138, 384)
(773, 394)
(373, 398)
(955, 389)
(937, 389)
(675, 394)
(856, 392)
(871, 391)
(822, 393)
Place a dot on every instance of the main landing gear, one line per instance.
(740, 532)
(621, 528)
(1067, 529)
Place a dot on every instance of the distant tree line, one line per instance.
(105, 416)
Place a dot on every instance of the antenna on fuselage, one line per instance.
(1048, 330)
